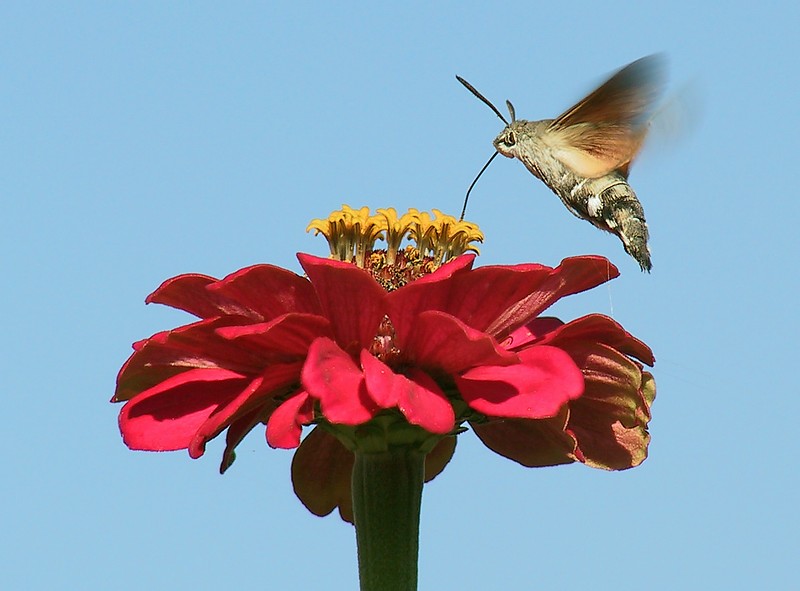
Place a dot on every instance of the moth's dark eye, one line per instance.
(510, 138)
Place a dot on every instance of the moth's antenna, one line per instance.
(511, 111)
(485, 166)
(485, 100)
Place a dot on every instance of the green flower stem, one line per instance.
(387, 494)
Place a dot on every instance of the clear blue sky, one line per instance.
(143, 140)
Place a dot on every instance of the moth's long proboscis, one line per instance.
(485, 166)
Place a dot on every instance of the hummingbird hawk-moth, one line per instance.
(584, 154)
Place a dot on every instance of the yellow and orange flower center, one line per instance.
(434, 240)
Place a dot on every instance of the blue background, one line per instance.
(143, 140)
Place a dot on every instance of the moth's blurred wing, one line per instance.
(605, 130)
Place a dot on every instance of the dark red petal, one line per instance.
(418, 397)
(266, 292)
(538, 387)
(613, 383)
(188, 292)
(237, 432)
(439, 457)
(331, 376)
(601, 329)
(286, 423)
(532, 443)
(443, 342)
(610, 420)
(321, 471)
(274, 380)
(648, 392)
(614, 448)
(167, 416)
(194, 346)
(350, 298)
(287, 336)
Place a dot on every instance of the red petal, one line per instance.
(383, 385)
(423, 403)
(431, 292)
(321, 470)
(266, 292)
(274, 379)
(418, 398)
(445, 343)
(481, 297)
(331, 376)
(188, 292)
(194, 346)
(167, 416)
(220, 419)
(350, 298)
(261, 292)
(573, 275)
(538, 387)
(450, 269)
(286, 336)
(286, 423)
(498, 299)
(534, 331)
(601, 329)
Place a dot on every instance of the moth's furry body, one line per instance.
(608, 202)
(584, 154)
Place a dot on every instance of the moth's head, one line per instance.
(506, 142)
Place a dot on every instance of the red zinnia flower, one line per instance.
(394, 345)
